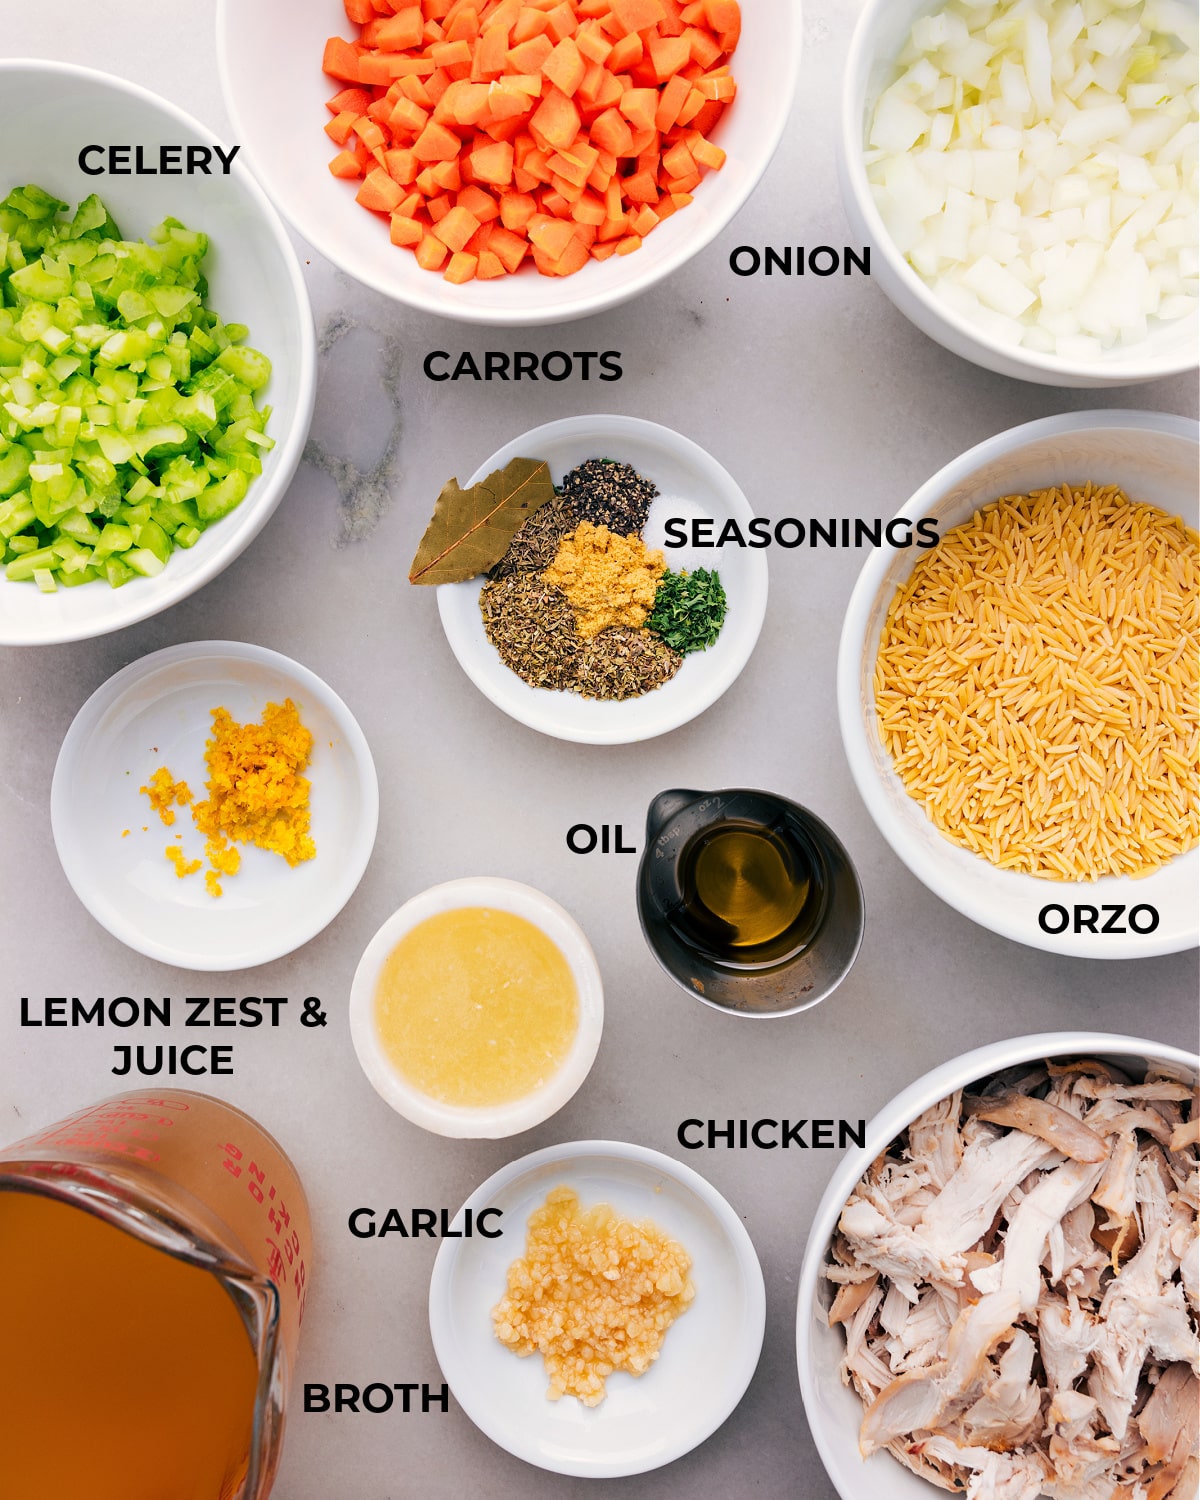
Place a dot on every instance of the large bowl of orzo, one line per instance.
(1020, 701)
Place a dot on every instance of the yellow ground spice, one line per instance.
(593, 1293)
(608, 579)
(164, 792)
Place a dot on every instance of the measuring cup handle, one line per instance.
(666, 806)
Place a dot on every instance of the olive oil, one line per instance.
(749, 888)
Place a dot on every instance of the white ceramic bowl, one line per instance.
(1154, 458)
(691, 484)
(157, 712)
(48, 111)
(833, 1410)
(490, 1122)
(708, 1356)
(883, 28)
(278, 111)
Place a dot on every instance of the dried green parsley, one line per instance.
(689, 610)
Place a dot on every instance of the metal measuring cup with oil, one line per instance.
(747, 900)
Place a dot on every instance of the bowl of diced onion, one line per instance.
(1026, 174)
(93, 434)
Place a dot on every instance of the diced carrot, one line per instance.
(463, 25)
(399, 32)
(556, 120)
(637, 15)
(565, 66)
(456, 228)
(401, 166)
(493, 163)
(449, 54)
(530, 22)
(352, 101)
(670, 102)
(639, 106)
(594, 46)
(379, 192)
(516, 209)
(436, 143)
(341, 127)
(431, 253)
(447, 175)
(529, 56)
(461, 268)
(694, 105)
(725, 18)
(505, 102)
(345, 164)
(589, 210)
(705, 153)
(491, 55)
(627, 51)
(678, 161)
(480, 203)
(641, 188)
(550, 236)
(341, 60)
(573, 259)
(561, 21)
(704, 50)
(406, 115)
(405, 231)
(495, 131)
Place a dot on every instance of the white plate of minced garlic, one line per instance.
(706, 1356)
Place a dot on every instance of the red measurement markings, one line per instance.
(285, 1263)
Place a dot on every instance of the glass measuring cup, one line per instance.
(191, 1179)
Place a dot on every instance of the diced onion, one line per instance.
(1036, 162)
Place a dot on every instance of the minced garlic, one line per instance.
(593, 1293)
(608, 579)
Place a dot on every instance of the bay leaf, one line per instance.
(470, 530)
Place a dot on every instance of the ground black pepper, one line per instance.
(610, 494)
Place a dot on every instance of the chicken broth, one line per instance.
(127, 1374)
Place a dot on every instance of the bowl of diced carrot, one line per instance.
(509, 161)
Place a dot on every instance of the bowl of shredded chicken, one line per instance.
(1001, 1291)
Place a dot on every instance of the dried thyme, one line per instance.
(610, 494)
(624, 662)
(532, 627)
(533, 548)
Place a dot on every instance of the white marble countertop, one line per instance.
(813, 393)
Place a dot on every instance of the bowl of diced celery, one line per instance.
(157, 365)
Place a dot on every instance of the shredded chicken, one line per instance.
(1018, 1279)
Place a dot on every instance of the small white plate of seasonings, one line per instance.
(691, 486)
(708, 1354)
(156, 713)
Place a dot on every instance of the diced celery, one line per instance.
(127, 414)
(142, 560)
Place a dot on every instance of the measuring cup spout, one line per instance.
(666, 806)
